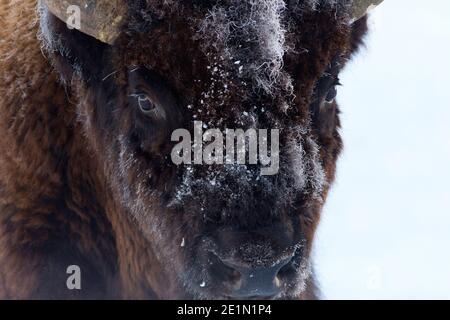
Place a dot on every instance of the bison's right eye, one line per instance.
(151, 100)
(146, 106)
(145, 103)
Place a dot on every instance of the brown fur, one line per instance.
(57, 206)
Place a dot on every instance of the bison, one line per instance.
(88, 108)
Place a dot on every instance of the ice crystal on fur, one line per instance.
(251, 36)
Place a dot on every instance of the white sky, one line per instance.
(385, 231)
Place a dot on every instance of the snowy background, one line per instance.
(385, 231)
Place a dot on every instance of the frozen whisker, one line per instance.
(109, 75)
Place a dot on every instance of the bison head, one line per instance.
(141, 69)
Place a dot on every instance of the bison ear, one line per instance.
(71, 52)
(361, 7)
(101, 19)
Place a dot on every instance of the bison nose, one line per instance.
(252, 264)
(254, 282)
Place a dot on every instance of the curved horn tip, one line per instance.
(361, 7)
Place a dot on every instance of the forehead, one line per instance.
(247, 45)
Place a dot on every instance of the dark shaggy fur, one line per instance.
(86, 180)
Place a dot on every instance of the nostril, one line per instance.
(291, 266)
(223, 272)
(285, 268)
(283, 263)
(286, 271)
(244, 280)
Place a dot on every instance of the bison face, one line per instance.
(217, 230)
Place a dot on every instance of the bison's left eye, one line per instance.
(332, 92)
(323, 106)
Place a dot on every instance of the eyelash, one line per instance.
(337, 82)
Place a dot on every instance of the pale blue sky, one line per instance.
(385, 231)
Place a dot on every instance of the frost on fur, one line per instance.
(253, 35)
(250, 34)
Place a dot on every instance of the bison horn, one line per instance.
(100, 19)
(362, 7)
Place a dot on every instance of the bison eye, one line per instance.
(331, 95)
(330, 91)
(144, 102)
(323, 109)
